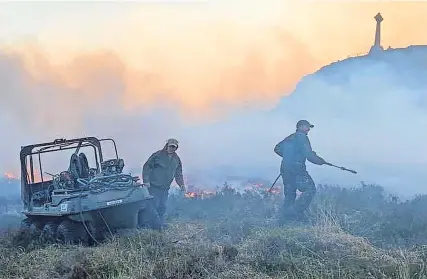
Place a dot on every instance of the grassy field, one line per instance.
(354, 233)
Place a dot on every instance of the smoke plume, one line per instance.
(210, 75)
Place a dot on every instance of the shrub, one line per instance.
(354, 233)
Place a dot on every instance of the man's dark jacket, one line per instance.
(295, 149)
(161, 169)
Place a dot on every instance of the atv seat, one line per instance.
(41, 197)
(79, 167)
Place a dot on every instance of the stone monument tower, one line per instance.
(377, 43)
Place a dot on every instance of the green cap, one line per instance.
(304, 122)
(172, 142)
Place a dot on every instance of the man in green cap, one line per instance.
(161, 168)
(295, 149)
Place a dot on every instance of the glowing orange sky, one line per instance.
(201, 54)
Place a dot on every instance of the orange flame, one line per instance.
(9, 175)
(198, 193)
(190, 194)
(274, 191)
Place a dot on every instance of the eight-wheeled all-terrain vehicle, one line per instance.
(82, 204)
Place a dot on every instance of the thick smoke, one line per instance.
(369, 114)
(214, 83)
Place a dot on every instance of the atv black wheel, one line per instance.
(70, 232)
(28, 233)
(103, 233)
(26, 223)
(48, 234)
(36, 227)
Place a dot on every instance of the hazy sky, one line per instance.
(130, 69)
(272, 43)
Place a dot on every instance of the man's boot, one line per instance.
(302, 218)
(288, 215)
(162, 222)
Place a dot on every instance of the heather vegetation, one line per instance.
(353, 233)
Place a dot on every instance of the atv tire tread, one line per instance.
(70, 232)
(48, 234)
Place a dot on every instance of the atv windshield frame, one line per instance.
(27, 153)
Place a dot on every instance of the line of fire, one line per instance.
(199, 192)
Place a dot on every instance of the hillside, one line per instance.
(406, 67)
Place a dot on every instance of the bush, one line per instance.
(354, 233)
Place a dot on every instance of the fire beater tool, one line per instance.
(329, 164)
(342, 168)
(272, 185)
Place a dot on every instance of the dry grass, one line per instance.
(231, 236)
(186, 250)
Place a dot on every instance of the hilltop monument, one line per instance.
(377, 43)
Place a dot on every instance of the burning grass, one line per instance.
(234, 235)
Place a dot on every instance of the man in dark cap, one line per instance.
(158, 173)
(295, 149)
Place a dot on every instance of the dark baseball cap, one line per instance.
(304, 122)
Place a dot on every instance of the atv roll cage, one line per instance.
(28, 152)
